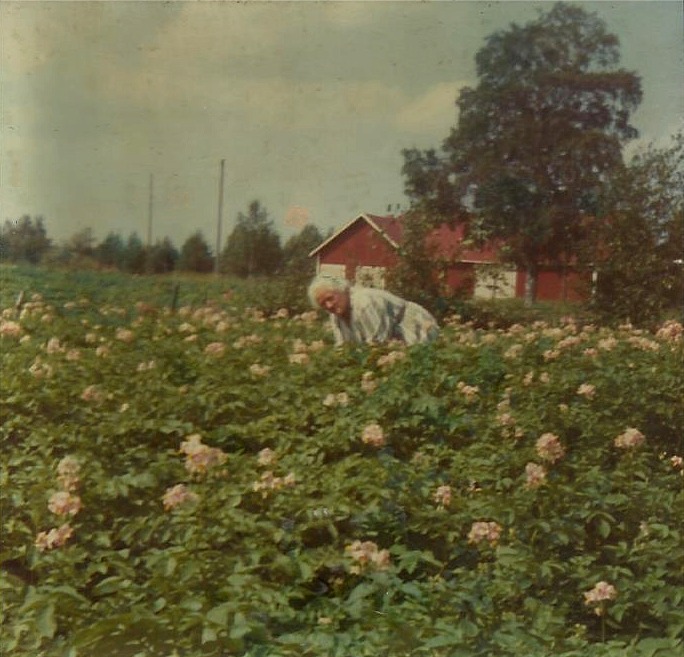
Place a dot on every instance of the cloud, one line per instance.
(349, 14)
(431, 112)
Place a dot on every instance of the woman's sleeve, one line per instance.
(374, 321)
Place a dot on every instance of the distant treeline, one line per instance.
(253, 248)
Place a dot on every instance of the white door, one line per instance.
(338, 271)
(370, 277)
(494, 282)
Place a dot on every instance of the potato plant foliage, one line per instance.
(221, 481)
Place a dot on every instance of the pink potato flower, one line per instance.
(602, 593)
(10, 329)
(269, 482)
(536, 475)
(630, 439)
(215, 349)
(484, 531)
(367, 555)
(178, 495)
(124, 335)
(67, 473)
(549, 448)
(587, 390)
(266, 457)
(442, 496)
(54, 538)
(201, 458)
(93, 393)
(64, 503)
(373, 434)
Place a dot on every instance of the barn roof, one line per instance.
(449, 240)
(388, 226)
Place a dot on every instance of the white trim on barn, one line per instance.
(335, 235)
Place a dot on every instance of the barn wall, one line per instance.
(460, 277)
(448, 241)
(554, 284)
(359, 246)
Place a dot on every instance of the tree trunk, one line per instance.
(531, 285)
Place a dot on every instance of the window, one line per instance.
(370, 276)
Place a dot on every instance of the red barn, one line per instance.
(366, 247)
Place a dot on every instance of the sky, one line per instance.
(309, 103)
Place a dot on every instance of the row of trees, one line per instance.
(536, 160)
(252, 249)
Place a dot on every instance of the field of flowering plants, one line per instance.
(216, 480)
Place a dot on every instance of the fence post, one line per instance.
(20, 301)
(174, 300)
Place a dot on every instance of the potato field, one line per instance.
(186, 475)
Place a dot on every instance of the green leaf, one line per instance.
(45, 622)
(208, 634)
(603, 528)
(240, 627)
(219, 614)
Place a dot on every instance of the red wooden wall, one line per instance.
(359, 245)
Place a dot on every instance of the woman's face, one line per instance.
(334, 301)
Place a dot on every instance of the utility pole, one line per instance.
(219, 220)
(150, 210)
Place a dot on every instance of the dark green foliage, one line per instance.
(133, 256)
(24, 240)
(416, 276)
(196, 255)
(296, 251)
(161, 258)
(81, 243)
(110, 252)
(253, 248)
(637, 246)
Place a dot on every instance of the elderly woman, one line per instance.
(368, 315)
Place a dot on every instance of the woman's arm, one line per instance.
(336, 331)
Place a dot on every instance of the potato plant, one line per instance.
(221, 481)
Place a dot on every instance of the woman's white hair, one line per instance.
(326, 282)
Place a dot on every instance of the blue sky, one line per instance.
(309, 103)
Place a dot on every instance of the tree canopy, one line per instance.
(641, 219)
(297, 248)
(195, 254)
(536, 138)
(253, 247)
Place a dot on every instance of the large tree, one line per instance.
(110, 252)
(253, 247)
(296, 251)
(161, 258)
(536, 137)
(134, 255)
(195, 254)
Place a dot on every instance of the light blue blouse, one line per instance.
(378, 316)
